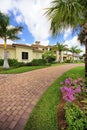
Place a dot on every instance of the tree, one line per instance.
(82, 37)
(78, 51)
(65, 13)
(7, 32)
(48, 56)
(61, 48)
(75, 50)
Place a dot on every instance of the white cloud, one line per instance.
(32, 13)
(19, 19)
(1, 41)
(67, 32)
(45, 43)
(75, 42)
(23, 40)
(5, 6)
(8, 41)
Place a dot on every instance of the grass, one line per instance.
(44, 115)
(13, 70)
(20, 69)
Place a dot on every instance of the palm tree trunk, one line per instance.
(73, 57)
(61, 56)
(86, 60)
(57, 56)
(5, 65)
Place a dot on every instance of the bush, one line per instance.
(48, 64)
(12, 62)
(1, 62)
(75, 117)
(68, 61)
(49, 56)
(37, 62)
(15, 63)
(51, 59)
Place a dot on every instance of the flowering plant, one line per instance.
(71, 87)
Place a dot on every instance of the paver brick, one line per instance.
(19, 94)
(12, 124)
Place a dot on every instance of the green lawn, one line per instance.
(20, 69)
(23, 69)
(44, 115)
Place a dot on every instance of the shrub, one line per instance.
(49, 56)
(69, 61)
(12, 62)
(1, 62)
(75, 117)
(37, 62)
(15, 63)
(48, 64)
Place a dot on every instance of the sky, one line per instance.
(36, 26)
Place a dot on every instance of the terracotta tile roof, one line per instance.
(35, 45)
(24, 45)
(8, 45)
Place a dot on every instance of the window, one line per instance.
(24, 55)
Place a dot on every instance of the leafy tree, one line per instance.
(49, 56)
(66, 13)
(7, 32)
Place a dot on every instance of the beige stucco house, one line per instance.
(21, 52)
(26, 53)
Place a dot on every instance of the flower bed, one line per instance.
(72, 109)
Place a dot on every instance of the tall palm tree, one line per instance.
(65, 13)
(78, 51)
(82, 37)
(73, 50)
(7, 32)
(61, 48)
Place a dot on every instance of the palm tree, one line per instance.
(73, 50)
(82, 37)
(7, 32)
(65, 13)
(78, 51)
(61, 48)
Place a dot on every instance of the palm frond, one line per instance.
(63, 13)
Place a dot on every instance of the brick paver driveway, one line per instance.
(20, 92)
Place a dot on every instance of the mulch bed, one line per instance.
(62, 125)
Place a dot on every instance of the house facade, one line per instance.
(25, 53)
(21, 52)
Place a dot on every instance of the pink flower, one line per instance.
(86, 90)
(78, 89)
(71, 88)
(67, 93)
(68, 81)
